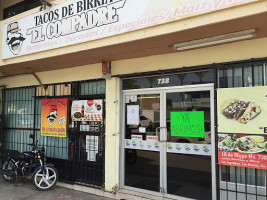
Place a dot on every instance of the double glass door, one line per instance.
(168, 142)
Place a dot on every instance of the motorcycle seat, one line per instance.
(13, 154)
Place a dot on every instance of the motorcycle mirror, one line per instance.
(31, 136)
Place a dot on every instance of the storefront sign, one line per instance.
(187, 124)
(136, 137)
(242, 110)
(54, 117)
(152, 138)
(87, 110)
(80, 21)
(243, 150)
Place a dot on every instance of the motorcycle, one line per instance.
(43, 175)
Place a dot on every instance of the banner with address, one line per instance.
(80, 21)
(242, 110)
(243, 150)
(54, 117)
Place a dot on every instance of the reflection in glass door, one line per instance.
(142, 146)
(188, 147)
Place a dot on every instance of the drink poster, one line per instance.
(87, 110)
(243, 150)
(54, 117)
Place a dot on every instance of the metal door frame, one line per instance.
(122, 152)
(163, 153)
(195, 88)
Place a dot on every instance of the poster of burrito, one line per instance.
(87, 110)
(242, 110)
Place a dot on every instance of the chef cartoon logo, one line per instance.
(14, 38)
(52, 115)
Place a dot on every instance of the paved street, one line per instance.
(9, 191)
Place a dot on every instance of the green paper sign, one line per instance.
(187, 124)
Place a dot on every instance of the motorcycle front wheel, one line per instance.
(45, 179)
(8, 166)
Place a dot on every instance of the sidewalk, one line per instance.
(8, 191)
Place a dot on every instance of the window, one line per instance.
(201, 77)
(18, 118)
(243, 76)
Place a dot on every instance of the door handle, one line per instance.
(157, 133)
(165, 134)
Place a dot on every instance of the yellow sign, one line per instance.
(54, 117)
(242, 110)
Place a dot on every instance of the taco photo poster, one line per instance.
(54, 117)
(242, 150)
(242, 110)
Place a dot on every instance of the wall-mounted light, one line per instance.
(44, 3)
(219, 39)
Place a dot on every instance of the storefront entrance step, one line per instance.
(86, 189)
(137, 195)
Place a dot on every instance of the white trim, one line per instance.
(174, 88)
(264, 73)
(118, 130)
(122, 138)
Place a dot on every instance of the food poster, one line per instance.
(242, 110)
(187, 124)
(87, 110)
(243, 150)
(54, 117)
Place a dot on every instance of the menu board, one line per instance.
(92, 147)
(242, 110)
(87, 110)
(187, 124)
(243, 150)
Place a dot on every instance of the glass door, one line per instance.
(188, 144)
(167, 142)
(141, 141)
